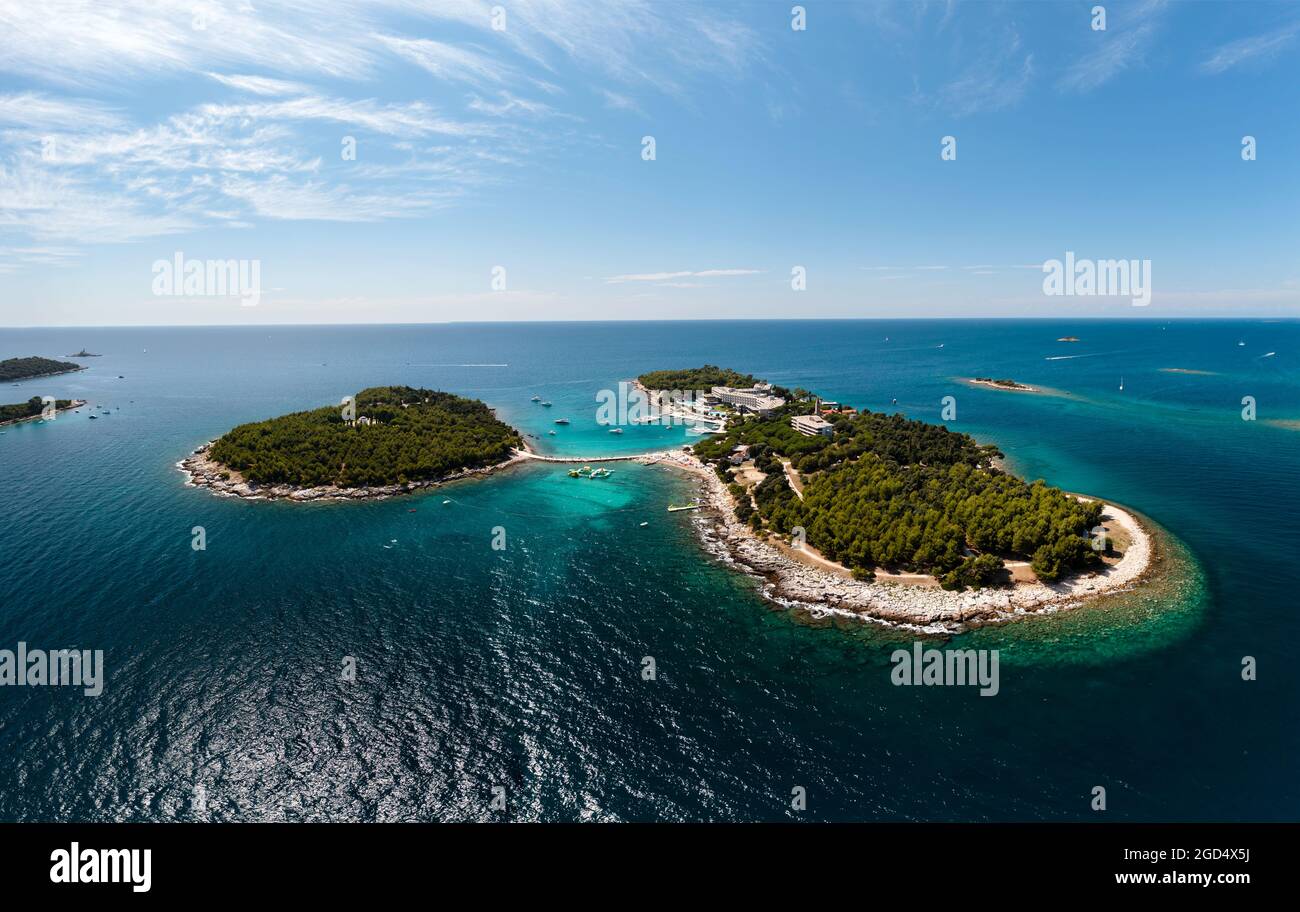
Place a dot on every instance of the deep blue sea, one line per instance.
(522, 667)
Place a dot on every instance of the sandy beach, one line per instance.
(925, 608)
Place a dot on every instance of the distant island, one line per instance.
(26, 368)
(864, 513)
(33, 408)
(400, 439)
(1003, 383)
(697, 378)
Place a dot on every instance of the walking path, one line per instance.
(585, 460)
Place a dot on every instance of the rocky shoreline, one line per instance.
(205, 472)
(923, 609)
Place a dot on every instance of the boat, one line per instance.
(644, 524)
(445, 502)
(94, 417)
(693, 505)
(616, 430)
(552, 433)
(537, 398)
(561, 420)
(1121, 384)
(600, 473)
(1241, 344)
(546, 404)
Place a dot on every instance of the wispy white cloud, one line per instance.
(1115, 55)
(262, 141)
(664, 277)
(507, 104)
(39, 111)
(261, 85)
(997, 80)
(281, 197)
(414, 118)
(89, 42)
(619, 102)
(447, 61)
(1254, 49)
(1129, 35)
(47, 206)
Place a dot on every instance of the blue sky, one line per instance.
(132, 130)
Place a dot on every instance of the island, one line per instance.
(394, 440)
(33, 409)
(698, 378)
(14, 369)
(860, 513)
(1003, 384)
(840, 511)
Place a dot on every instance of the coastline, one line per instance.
(913, 604)
(72, 370)
(925, 609)
(204, 472)
(76, 404)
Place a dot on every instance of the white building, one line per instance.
(812, 425)
(757, 399)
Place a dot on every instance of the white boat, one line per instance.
(1121, 384)
(616, 430)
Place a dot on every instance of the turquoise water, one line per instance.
(522, 667)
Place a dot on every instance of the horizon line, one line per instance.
(1180, 318)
